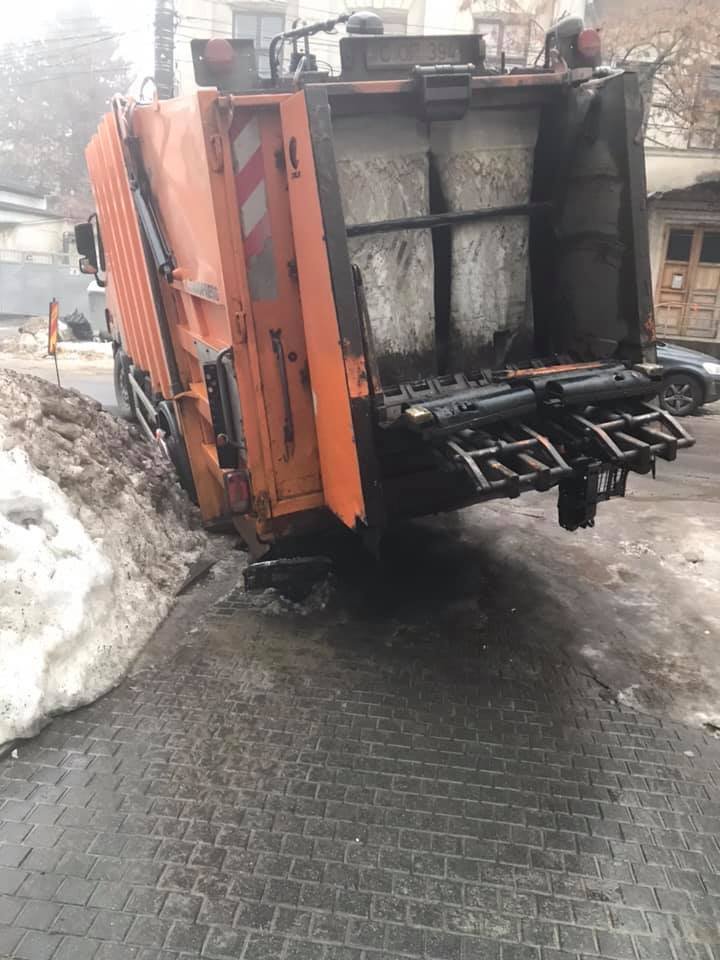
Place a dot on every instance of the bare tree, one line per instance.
(675, 47)
(55, 89)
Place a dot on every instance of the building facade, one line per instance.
(38, 260)
(682, 148)
(684, 223)
(28, 227)
(516, 27)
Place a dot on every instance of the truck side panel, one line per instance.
(125, 255)
(175, 160)
(262, 202)
(222, 202)
(331, 397)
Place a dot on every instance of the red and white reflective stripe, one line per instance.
(250, 186)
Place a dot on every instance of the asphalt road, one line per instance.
(93, 378)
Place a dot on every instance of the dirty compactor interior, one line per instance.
(499, 252)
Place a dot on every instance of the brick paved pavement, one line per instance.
(312, 791)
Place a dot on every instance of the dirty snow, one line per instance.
(95, 537)
(71, 353)
(31, 340)
(272, 603)
(92, 349)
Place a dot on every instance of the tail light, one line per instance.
(589, 46)
(219, 55)
(237, 491)
(576, 46)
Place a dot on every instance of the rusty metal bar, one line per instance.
(434, 220)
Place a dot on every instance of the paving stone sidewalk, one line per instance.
(308, 790)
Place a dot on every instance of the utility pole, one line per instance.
(165, 48)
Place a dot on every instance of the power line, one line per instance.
(106, 72)
(164, 48)
(44, 41)
(61, 56)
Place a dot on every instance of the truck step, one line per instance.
(506, 458)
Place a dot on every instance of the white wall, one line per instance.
(33, 235)
(678, 169)
(11, 196)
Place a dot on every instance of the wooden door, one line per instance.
(688, 296)
(702, 315)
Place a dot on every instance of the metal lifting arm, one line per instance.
(434, 220)
(154, 243)
(324, 26)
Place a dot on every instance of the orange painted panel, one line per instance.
(186, 155)
(333, 420)
(124, 253)
(224, 211)
(200, 156)
(264, 210)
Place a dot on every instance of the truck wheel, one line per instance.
(123, 391)
(173, 444)
(680, 394)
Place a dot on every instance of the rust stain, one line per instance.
(649, 327)
(262, 506)
(357, 376)
(560, 368)
(551, 79)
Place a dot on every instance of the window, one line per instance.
(710, 250)
(511, 36)
(492, 31)
(712, 82)
(704, 132)
(394, 21)
(260, 26)
(679, 246)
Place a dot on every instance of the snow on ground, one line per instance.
(95, 537)
(18, 351)
(92, 348)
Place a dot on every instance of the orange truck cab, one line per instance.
(417, 285)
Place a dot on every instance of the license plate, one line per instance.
(395, 52)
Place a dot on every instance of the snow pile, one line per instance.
(95, 537)
(32, 337)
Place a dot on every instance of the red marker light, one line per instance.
(589, 45)
(237, 490)
(219, 54)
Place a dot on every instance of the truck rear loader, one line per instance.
(415, 286)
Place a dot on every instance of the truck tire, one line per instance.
(123, 391)
(680, 394)
(174, 445)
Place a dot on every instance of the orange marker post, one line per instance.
(53, 333)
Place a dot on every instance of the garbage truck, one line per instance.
(419, 283)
